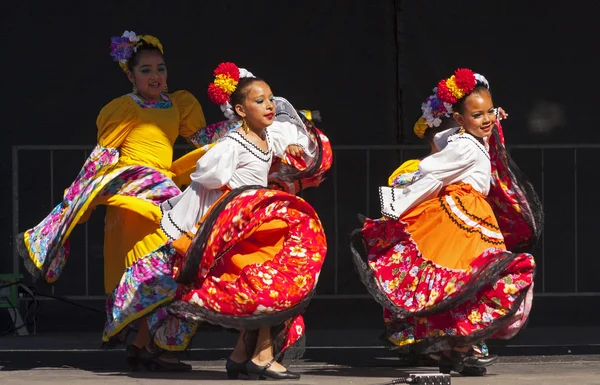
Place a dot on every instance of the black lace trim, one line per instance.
(475, 217)
(470, 138)
(177, 227)
(437, 344)
(381, 204)
(244, 144)
(28, 263)
(465, 228)
(275, 321)
(486, 275)
(290, 116)
(162, 214)
(290, 174)
(278, 185)
(254, 145)
(528, 199)
(195, 313)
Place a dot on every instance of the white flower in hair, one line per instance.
(481, 79)
(244, 73)
(227, 110)
(131, 36)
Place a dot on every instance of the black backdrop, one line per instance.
(366, 64)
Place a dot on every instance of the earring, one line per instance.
(135, 90)
(245, 126)
(461, 130)
(166, 89)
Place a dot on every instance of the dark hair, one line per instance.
(460, 105)
(241, 91)
(143, 47)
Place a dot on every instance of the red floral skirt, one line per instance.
(254, 263)
(442, 272)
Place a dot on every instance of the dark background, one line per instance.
(365, 64)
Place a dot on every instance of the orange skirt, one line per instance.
(454, 243)
(260, 246)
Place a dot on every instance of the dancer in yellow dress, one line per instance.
(129, 170)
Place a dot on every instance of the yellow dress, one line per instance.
(144, 137)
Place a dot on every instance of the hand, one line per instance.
(502, 114)
(294, 150)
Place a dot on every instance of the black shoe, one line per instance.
(132, 355)
(153, 363)
(473, 371)
(481, 361)
(234, 369)
(458, 361)
(256, 372)
(454, 362)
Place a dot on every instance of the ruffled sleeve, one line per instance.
(115, 121)
(283, 134)
(191, 116)
(215, 169)
(440, 169)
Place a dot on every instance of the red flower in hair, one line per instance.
(217, 95)
(465, 80)
(444, 93)
(228, 68)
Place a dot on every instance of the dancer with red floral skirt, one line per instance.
(242, 256)
(438, 259)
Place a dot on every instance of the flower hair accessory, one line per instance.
(433, 111)
(227, 76)
(123, 47)
(457, 86)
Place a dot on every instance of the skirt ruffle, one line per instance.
(254, 263)
(464, 288)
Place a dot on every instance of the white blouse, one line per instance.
(462, 158)
(232, 163)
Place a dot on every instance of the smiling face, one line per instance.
(258, 107)
(477, 116)
(149, 74)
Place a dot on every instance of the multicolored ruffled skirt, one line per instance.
(443, 274)
(253, 263)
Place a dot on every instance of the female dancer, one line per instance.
(244, 256)
(438, 260)
(129, 171)
(436, 117)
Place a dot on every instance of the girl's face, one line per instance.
(478, 116)
(149, 75)
(259, 107)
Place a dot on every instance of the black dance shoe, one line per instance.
(458, 361)
(132, 355)
(234, 369)
(256, 372)
(152, 362)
